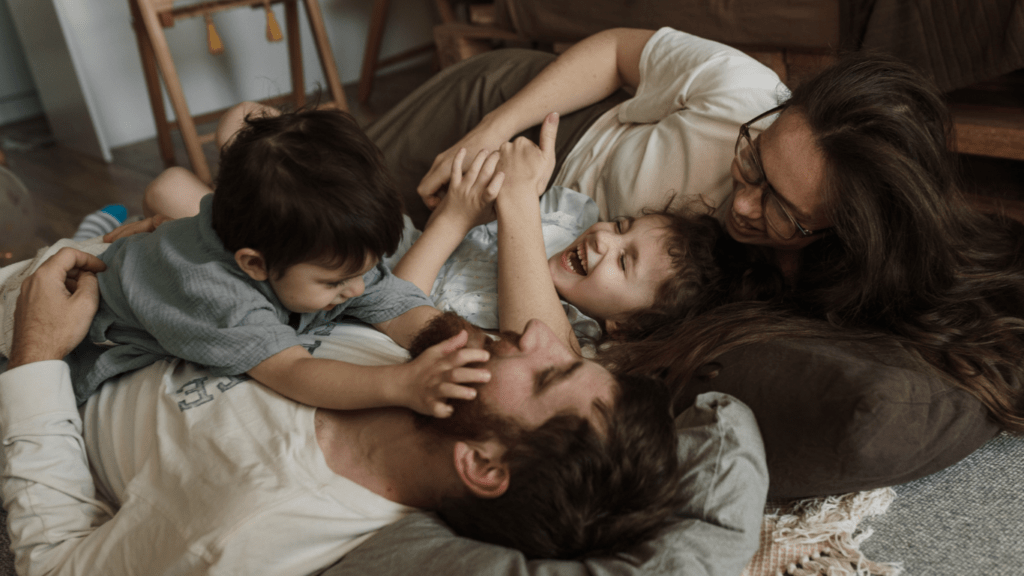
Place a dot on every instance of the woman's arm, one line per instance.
(588, 72)
(525, 288)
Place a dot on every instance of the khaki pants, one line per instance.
(450, 104)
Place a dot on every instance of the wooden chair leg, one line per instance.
(374, 36)
(447, 12)
(291, 16)
(156, 98)
(323, 46)
(186, 125)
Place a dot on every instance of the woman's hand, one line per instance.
(484, 138)
(528, 166)
(469, 201)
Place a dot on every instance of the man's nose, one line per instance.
(538, 337)
(533, 336)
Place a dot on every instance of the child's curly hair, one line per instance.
(710, 269)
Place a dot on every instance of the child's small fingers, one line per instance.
(494, 186)
(487, 170)
(452, 344)
(474, 168)
(464, 375)
(442, 410)
(456, 392)
(456, 177)
(470, 355)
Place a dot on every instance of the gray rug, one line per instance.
(966, 519)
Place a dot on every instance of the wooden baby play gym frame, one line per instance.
(150, 17)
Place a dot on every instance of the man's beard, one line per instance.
(471, 419)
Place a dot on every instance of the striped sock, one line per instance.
(100, 222)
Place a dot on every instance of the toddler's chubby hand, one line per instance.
(527, 166)
(469, 201)
(439, 373)
(481, 139)
(147, 225)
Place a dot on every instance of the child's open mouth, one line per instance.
(577, 260)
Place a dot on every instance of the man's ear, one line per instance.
(252, 263)
(480, 467)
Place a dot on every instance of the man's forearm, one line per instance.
(46, 483)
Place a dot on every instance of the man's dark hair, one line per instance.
(306, 186)
(575, 492)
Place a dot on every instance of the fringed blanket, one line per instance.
(819, 536)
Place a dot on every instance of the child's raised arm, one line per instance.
(468, 203)
(525, 288)
(422, 384)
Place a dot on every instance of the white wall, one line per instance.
(106, 52)
(18, 99)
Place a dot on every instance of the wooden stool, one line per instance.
(371, 61)
(150, 17)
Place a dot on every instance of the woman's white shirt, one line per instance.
(676, 135)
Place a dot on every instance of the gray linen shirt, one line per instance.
(178, 292)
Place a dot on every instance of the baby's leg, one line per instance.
(175, 193)
(234, 119)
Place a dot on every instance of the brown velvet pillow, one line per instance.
(841, 416)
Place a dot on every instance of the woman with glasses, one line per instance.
(854, 193)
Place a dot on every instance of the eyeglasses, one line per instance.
(775, 212)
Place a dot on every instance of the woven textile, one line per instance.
(966, 519)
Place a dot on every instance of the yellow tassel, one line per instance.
(273, 30)
(213, 41)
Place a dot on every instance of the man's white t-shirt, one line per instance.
(677, 135)
(193, 474)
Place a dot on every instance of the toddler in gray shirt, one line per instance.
(292, 239)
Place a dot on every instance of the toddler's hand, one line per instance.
(469, 201)
(147, 225)
(528, 166)
(437, 374)
(482, 138)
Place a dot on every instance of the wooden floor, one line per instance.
(65, 185)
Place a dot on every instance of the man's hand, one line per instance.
(147, 225)
(484, 138)
(527, 167)
(469, 201)
(55, 307)
(438, 374)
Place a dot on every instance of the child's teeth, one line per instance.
(576, 263)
